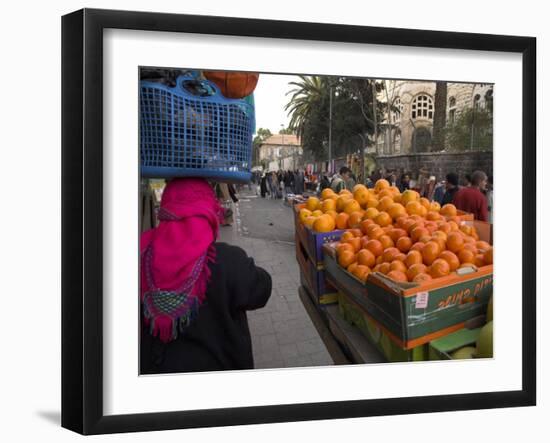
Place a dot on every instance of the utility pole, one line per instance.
(329, 168)
(374, 114)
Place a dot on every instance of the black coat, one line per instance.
(219, 337)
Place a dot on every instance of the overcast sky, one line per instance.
(270, 101)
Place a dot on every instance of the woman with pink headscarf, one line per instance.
(195, 292)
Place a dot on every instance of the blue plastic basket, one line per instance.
(187, 135)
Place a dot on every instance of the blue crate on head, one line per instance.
(192, 130)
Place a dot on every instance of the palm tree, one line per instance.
(307, 96)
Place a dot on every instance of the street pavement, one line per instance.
(282, 333)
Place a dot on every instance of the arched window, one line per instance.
(395, 113)
(452, 110)
(397, 140)
(477, 101)
(422, 107)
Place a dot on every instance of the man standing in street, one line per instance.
(471, 198)
(340, 181)
(451, 188)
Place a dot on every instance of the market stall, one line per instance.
(404, 275)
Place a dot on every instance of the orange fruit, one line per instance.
(379, 260)
(397, 198)
(404, 244)
(345, 191)
(414, 270)
(327, 193)
(451, 258)
(440, 234)
(483, 245)
(439, 268)
(376, 233)
(398, 276)
(346, 258)
(466, 229)
(356, 232)
(466, 255)
(488, 256)
(361, 272)
(373, 203)
(425, 202)
(351, 206)
(385, 203)
(366, 257)
(389, 254)
(396, 210)
(381, 184)
(418, 232)
(344, 246)
(328, 205)
(317, 213)
(342, 220)
(432, 215)
(355, 219)
(413, 258)
(455, 242)
(383, 219)
(435, 206)
(371, 227)
(359, 186)
(386, 241)
(441, 242)
(430, 251)
(352, 267)
(471, 247)
(325, 223)
(375, 247)
(414, 208)
(312, 203)
(333, 214)
(444, 227)
(397, 233)
(453, 225)
(409, 196)
(479, 260)
(448, 210)
(417, 246)
(398, 265)
(356, 243)
(364, 225)
(422, 278)
(401, 257)
(308, 222)
(346, 236)
(384, 268)
(362, 196)
(303, 214)
(425, 238)
(371, 213)
(341, 202)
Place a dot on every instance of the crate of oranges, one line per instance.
(323, 219)
(417, 271)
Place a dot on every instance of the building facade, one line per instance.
(281, 152)
(408, 128)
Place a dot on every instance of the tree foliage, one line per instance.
(262, 134)
(352, 113)
(473, 129)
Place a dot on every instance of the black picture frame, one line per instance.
(82, 218)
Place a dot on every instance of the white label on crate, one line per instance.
(421, 300)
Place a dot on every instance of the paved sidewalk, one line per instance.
(282, 332)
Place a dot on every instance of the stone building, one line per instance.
(408, 128)
(281, 151)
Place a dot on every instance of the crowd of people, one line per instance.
(281, 183)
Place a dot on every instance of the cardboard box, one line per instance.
(442, 348)
(314, 279)
(313, 241)
(376, 334)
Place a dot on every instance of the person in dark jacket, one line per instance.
(195, 292)
(451, 187)
(263, 186)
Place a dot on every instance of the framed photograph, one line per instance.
(206, 162)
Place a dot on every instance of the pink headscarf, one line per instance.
(175, 256)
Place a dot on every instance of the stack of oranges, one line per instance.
(405, 237)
